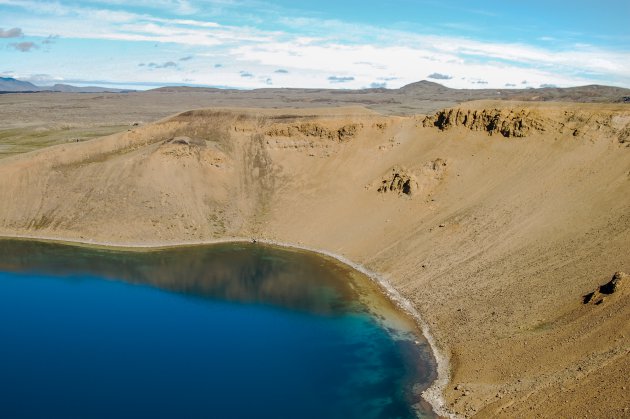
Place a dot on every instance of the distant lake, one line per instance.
(220, 331)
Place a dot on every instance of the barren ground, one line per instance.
(494, 219)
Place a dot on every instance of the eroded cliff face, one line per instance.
(314, 130)
(526, 121)
(508, 123)
(201, 173)
(493, 221)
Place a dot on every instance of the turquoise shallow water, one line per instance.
(222, 331)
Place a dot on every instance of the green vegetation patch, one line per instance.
(23, 140)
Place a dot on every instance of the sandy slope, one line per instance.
(493, 219)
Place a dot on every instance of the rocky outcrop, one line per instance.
(598, 296)
(399, 181)
(183, 140)
(509, 123)
(402, 181)
(182, 146)
(624, 136)
(310, 129)
(590, 124)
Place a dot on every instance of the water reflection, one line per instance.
(246, 273)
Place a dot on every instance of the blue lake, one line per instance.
(221, 331)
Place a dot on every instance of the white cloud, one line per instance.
(330, 59)
(187, 22)
(357, 54)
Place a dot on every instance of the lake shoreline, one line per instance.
(434, 394)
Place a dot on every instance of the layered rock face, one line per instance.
(493, 121)
(525, 121)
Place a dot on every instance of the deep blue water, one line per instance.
(229, 331)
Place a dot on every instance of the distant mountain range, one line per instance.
(9, 84)
(413, 97)
(423, 91)
(591, 93)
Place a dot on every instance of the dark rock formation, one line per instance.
(597, 297)
(611, 286)
(183, 140)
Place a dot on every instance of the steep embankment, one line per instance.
(494, 219)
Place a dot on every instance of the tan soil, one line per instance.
(494, 220)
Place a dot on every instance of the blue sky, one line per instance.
(333, 44)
